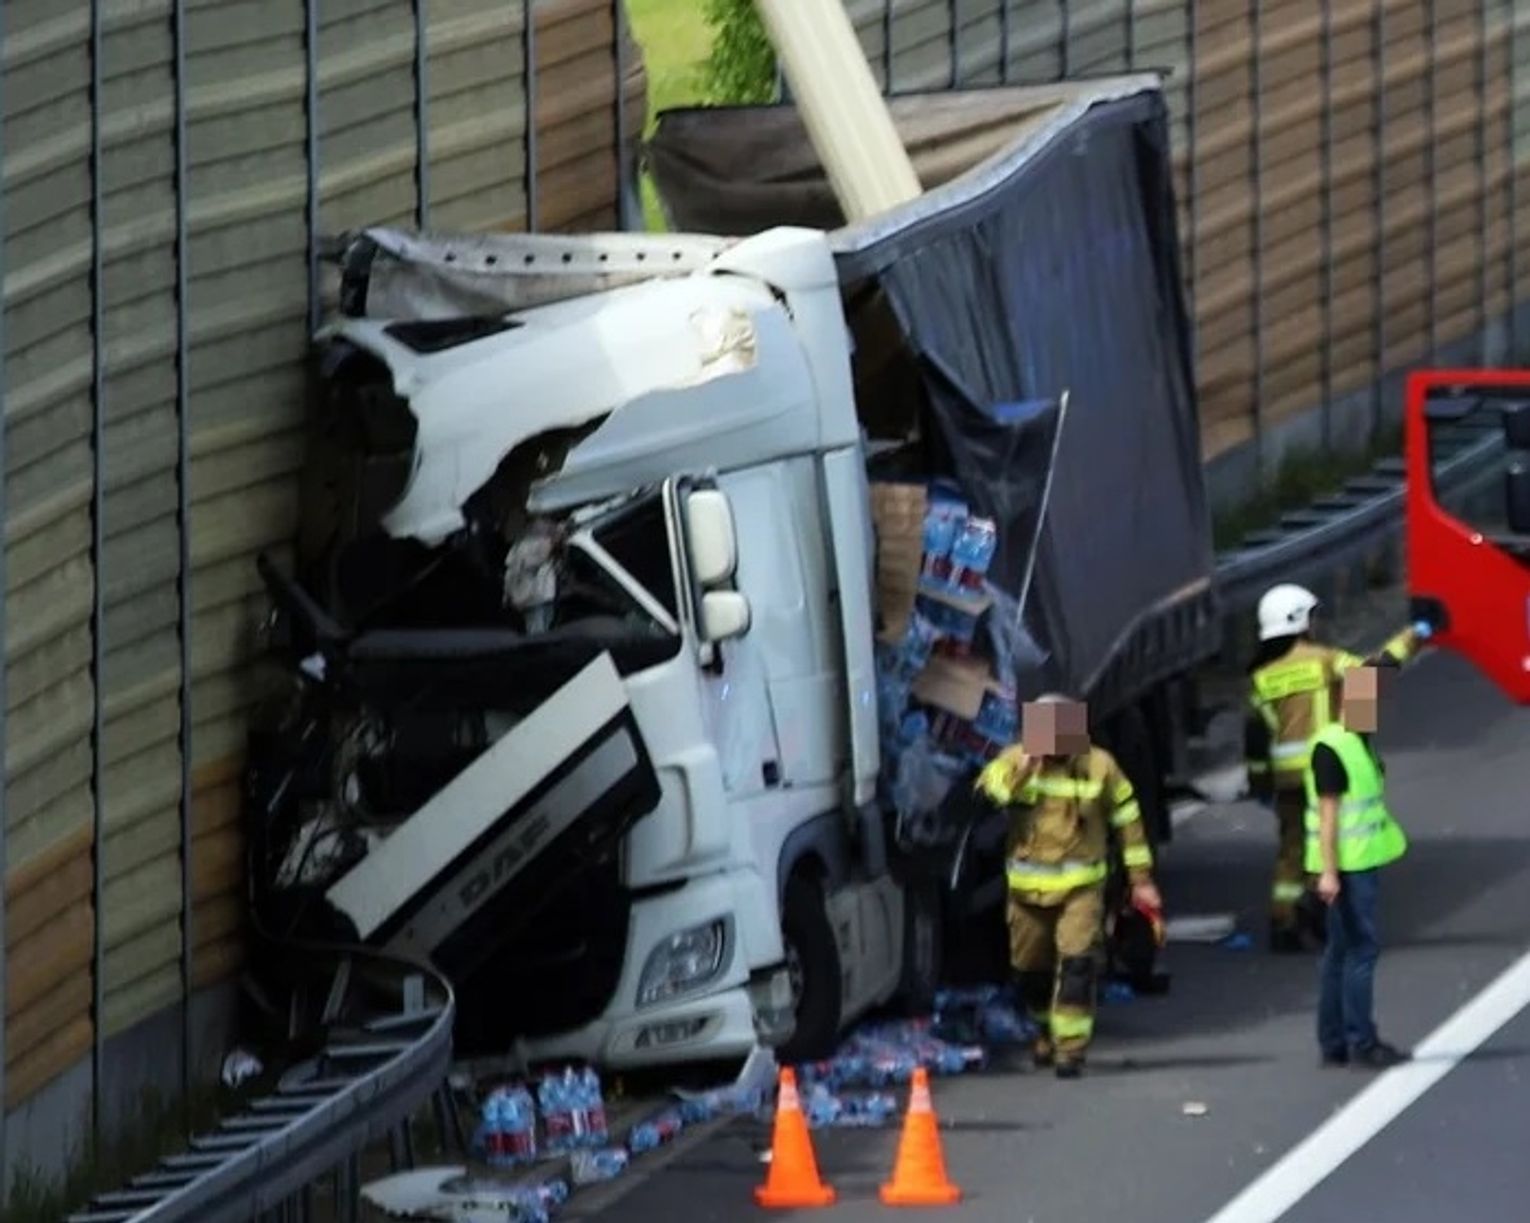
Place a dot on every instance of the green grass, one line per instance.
(1303, 477)
(676, 43)
(159, 1130)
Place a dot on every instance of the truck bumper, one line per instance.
(739, 1008)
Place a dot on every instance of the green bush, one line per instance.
(741, 69)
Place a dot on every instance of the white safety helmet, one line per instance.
(1285, 610)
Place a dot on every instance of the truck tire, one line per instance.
(1131, 743)
(923, 945)
(812, 960)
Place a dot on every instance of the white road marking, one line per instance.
(1312, 1161)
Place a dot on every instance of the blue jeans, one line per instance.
(1346, 1022)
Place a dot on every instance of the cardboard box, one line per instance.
(898, 513)
(956, 685)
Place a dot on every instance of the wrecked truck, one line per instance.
(658, 596)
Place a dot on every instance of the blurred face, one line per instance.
(1060, 729)
(1362, 699)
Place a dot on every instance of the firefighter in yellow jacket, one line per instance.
(1070, 801)
(1294, 685)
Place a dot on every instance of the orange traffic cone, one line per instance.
(793, 1181)
(919, 1177)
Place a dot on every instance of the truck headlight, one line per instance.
(686, 961)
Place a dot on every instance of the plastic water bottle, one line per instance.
(557, 1112)
(822, 1106)
(595, 1107)
(655, 1132)
(972, 552)
(520, 1125)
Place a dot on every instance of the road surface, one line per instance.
(1235, 1035)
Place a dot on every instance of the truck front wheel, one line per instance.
(812, 964)
(923, 942)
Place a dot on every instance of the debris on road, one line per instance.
(1202, 928)
(1116, 993)
(592, 1167)
(240, 1066)
(450, 1193)
(1237, 942)
(1194, 1108)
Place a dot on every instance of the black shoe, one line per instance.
(1069, 1070)
(1331, 1060)
(1286, 940)
(1380, 1056)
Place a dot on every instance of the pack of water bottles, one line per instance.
(573, 1110)
(573, 1118)
(507, 1130)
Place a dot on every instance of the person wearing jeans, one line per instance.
(1351, 837)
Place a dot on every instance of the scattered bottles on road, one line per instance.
(590, 1167)
(655, 1132)
(824, 1108)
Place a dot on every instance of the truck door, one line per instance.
(737, 700)
(1469, 539)
(849, 530)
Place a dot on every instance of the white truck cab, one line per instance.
(712, 485)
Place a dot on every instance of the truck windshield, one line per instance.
(618, 566)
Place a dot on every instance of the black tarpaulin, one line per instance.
(1051, 267)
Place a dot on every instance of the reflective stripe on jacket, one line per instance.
(1368, 836)
(1060, 839)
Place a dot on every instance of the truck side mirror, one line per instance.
(713, 542)
(1517, 488)
(725, 614)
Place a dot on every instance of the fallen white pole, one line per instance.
(843, 110)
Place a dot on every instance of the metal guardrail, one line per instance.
(1311, 542)
(387, 1046)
